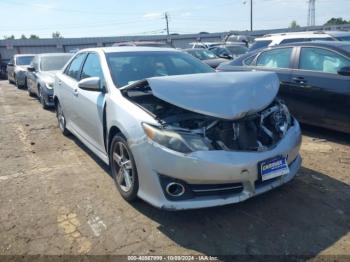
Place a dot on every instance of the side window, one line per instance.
(318, 59)
(92, 67)
(276, 58)
(249, 60)
(74, 67)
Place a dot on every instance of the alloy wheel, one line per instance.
(60, 118)
(124, 168)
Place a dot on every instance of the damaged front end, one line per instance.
(187, 131)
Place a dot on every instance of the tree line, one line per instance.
(33, 36)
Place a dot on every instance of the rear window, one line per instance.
(294, 40)
(24, 60)
(51, 63)
(260, 44)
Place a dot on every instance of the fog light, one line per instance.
(175, 189)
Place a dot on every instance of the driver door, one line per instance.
(89, 105)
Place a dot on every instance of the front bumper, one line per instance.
(211, 167)
(48, 97)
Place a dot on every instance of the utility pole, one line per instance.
(167, 22)
(311, 13)
(251, 15)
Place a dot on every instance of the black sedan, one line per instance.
(206, 56)
(314, 77)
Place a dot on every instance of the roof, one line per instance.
(318, 43)
(54, 54)
(116, 49)
(338, 33)
(290, 35)
(24, 55)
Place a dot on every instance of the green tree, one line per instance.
(294, 25)
(23, 36)
(336, 21)
(56, 35)
(33, 36)
(9, 37)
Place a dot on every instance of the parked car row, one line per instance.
(175, 132)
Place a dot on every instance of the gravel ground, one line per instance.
(56, 197)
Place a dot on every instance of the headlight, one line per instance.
(181, 142)
(49, 84)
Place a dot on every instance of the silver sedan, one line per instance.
(176, 133)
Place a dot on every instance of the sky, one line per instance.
(78, 18)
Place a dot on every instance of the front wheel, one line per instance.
(123, 168)
(61, 120)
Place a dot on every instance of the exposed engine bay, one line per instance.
(255, 132)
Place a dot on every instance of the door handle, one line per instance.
(299, 80)
(75, 93)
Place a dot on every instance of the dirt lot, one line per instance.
(57, 198)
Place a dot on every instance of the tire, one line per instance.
(25, 83)
(30, 93)
(16, 83)
(42, 99)
(123, 168)
(61, 120)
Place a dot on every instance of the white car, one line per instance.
(287, 38)
(176, 133)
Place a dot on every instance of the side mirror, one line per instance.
(31, 69)
(10, 64)
(344, 71)
(91, 84)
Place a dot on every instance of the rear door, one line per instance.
(322, 95)
(66, 89)
(89, 105)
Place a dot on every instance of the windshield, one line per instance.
(344, 38)
(24, 60)
(202, 54)
(129, 67)
(237, 50)
(51, 63)
(260, 44)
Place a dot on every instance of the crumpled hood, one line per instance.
(226, 95)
